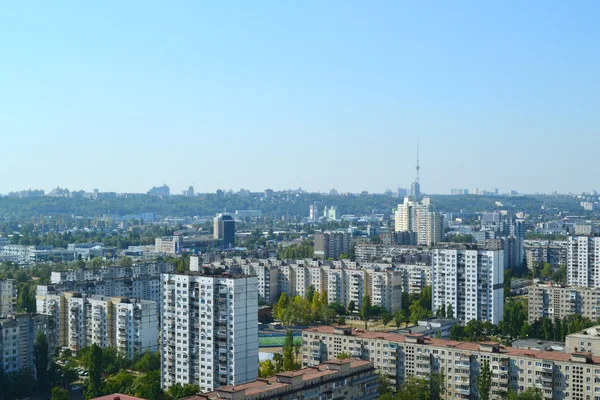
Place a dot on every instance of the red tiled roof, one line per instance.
(117, 396)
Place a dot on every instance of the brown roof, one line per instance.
(265, 385)
(117, 396)
(469, 346)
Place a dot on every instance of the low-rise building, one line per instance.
(587, 340)
(559, 375)
(167, 244)
(333, 379)
(432, 327)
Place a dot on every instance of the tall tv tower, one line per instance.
(415, 189)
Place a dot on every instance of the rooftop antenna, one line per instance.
(418, 167)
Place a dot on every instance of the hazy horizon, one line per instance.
(319, 95)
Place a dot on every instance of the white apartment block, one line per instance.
(268, 279)
(167, 244)
(209, 330)
(414, 277)
(17, 337)
(471, 281)
(583, 261)
(129, 325)
(555, 301)
(559, 375)
(8, 297)
(414, 216)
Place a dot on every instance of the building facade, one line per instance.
(559, 375)
(471, 281)
(209, 330)
(331, 244)
(17, 339)
(8, 297)
(555, 301)
(334, 379)
(224, 228)
(538, 252)
(129, 325)
(415, 216)
(583, 261)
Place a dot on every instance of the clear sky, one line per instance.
(125, 95)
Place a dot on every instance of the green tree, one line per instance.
(126, 262)
(289, 353)
(417, 312)
(41, 360)
(148, 362)
(351, 306)
(398, 318)
(414, 388)
(450, 311)
(484, 381)
(60, 394)
(343, 356)
(385, 384)
(341, 320)
(385, 318)
(93, 363)
(147, 386)
(437, 385)
(310, 293)
(457, 332)
(281, 307)
(531, 393)
(178, 391)
(366, 310)
(119, 383)
(266, 369)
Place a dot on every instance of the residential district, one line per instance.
(315, 296)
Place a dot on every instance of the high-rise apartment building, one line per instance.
(209, 329)
(8, 297)
(129, 325)
(331, 244)
(415, 216)
(267, 278)
(313, 212)
(224, 228)
(17, 338)
(538, 252)
(471, 280)
(583, 261)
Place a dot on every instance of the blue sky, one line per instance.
(122, 96)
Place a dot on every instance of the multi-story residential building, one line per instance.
(587, 340)
(331, 244)
(17, 339)
(209, 329)
(8, 297)
(555, 301)
(366, 252)
(167, 244)
(538, 252)
(335, 379)
(415, 216)
(268, 279)
(470, 279)
(129, 325)
(583, 261)
(414, 277)
(559, 375)
(384, 288)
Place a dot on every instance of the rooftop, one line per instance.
(117, 396)
(469, 346)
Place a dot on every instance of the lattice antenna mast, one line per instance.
(418, 167)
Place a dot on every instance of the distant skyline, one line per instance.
(125, 96)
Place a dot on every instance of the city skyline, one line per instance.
(307, 95)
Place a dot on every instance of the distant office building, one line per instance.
(331, 244)
(459, 192)
(248, 214)
(189, 192)
(313, 214)
(160, 191)
(401, 192)
(167, 244)
(17, 339)
(583, 261)
(418, 217)
(268, 193)
(415, 190)
(8, 297)
(334, 379)
(224, 228)
(330, 212)
(209, 330)
(471, 281)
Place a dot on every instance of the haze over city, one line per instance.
(317, 95)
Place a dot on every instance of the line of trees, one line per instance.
(431, 387)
